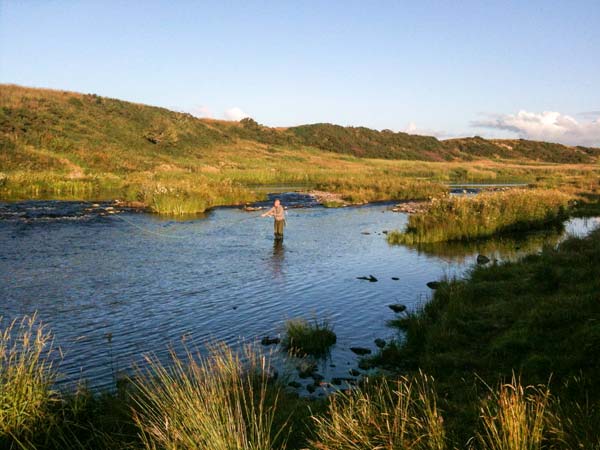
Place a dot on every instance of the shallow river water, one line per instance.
(150, 283)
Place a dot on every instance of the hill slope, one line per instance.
(64, 145)
(91, 127)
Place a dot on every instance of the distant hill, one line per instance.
(108, 134)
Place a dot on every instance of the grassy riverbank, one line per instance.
(455, 218)
(64, 145)
(538, 317)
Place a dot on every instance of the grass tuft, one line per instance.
(26, 378)
(383, 414)
(515, 417)
(220, 402)
(308, 338)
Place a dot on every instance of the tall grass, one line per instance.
(384, 186)
(221, 402)
(515, 418)
(462, 218)
(26, 379)
(383, 414)
(233, 401)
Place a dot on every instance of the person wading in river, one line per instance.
(278, 213)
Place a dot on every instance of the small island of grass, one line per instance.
(308, 338)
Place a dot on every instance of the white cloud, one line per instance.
(549, 126)
(235, 113)
(412, 128)
(200, 111)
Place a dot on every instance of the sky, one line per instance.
(526, 69)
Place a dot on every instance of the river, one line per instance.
(115, 286)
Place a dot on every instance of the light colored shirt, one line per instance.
(277, 212)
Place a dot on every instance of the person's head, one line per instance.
(277, 202)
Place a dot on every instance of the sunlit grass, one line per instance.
(383, 414)
(515, 418)
(461, 217)
(220, 402)
(26, 379)
(226, 400)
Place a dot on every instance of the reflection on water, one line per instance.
(277, 259)
(510, 246)
(507, 247)
(151, 283)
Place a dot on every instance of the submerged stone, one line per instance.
(365, 364)
(433, 284)
(380, 343)
(370, 278)
(397, 307)
(482, 259)
(269, 340)
(360, 350)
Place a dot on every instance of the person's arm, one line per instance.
(269, 212)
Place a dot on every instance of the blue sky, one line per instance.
(523, 68)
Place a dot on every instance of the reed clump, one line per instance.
(26, 379)
(515, 417)
(383, 414)
(313, 338)
(382, 187)
(186, 197)
(221, 401)
(453, 218)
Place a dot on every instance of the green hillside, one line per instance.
(67, 122)
(62, 144)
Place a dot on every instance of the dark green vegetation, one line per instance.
(538, 317)
(308, 338)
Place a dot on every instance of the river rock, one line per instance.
(433, 284)
(317, 377)
(354, 372)
(306, 369)
(269, 340)
(380, 343)
(482, 259)
(395, 278)
(370, 278)
(365, 364)
(360, 350)
(397, 307)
